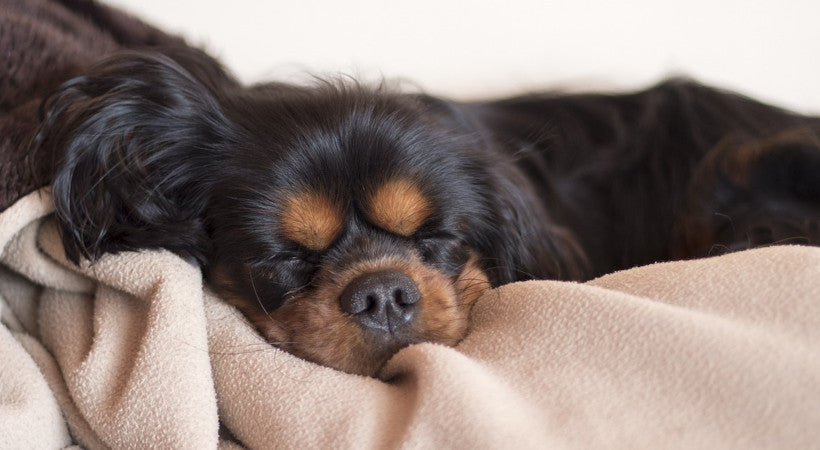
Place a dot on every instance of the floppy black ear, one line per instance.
(525, 242)
(137, 141)
(516, 237)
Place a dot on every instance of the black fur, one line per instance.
(164, 149)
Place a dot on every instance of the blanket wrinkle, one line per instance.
(135, 352)
(676, 355)
(792, 315)
(17, 392)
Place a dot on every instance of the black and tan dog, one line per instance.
(348, 221)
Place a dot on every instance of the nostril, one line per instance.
(371, 303)
(382, 300)
(406, 297)
(399, 296)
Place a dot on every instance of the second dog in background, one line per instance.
(348, 221)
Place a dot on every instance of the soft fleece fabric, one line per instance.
(134, 352)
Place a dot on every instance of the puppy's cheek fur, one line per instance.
(313, 326)
(445, 316)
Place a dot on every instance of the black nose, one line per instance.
(384, 300)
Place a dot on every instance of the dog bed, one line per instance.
(135, 352)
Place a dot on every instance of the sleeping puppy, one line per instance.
(348, 221)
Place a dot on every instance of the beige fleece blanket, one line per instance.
(133, 352)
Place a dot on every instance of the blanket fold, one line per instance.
(135, 352)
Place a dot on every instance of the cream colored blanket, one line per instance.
(133, 352)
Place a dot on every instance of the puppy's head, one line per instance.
(345, 222)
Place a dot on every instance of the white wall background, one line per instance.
(473, 49)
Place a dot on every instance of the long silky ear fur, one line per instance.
(526, 243)
(517, 239)
(137, 141)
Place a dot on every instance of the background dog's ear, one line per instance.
(137, 141)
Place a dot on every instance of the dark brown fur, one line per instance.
(419, 202)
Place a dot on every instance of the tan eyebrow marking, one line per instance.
(311, 219)
(399, 206)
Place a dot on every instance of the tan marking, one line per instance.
(399, 207)
(310, 219)
(312, 325)
(445, 317)
(739, 158)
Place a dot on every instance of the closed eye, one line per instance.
(444, 251)
(296, 261)
(298, 257)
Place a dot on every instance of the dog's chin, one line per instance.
(368, 359)
(312, 325)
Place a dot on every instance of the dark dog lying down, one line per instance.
(348, 221)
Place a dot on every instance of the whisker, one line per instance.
(715, 248)
(258, 299)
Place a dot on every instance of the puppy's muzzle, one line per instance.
(384, 301)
